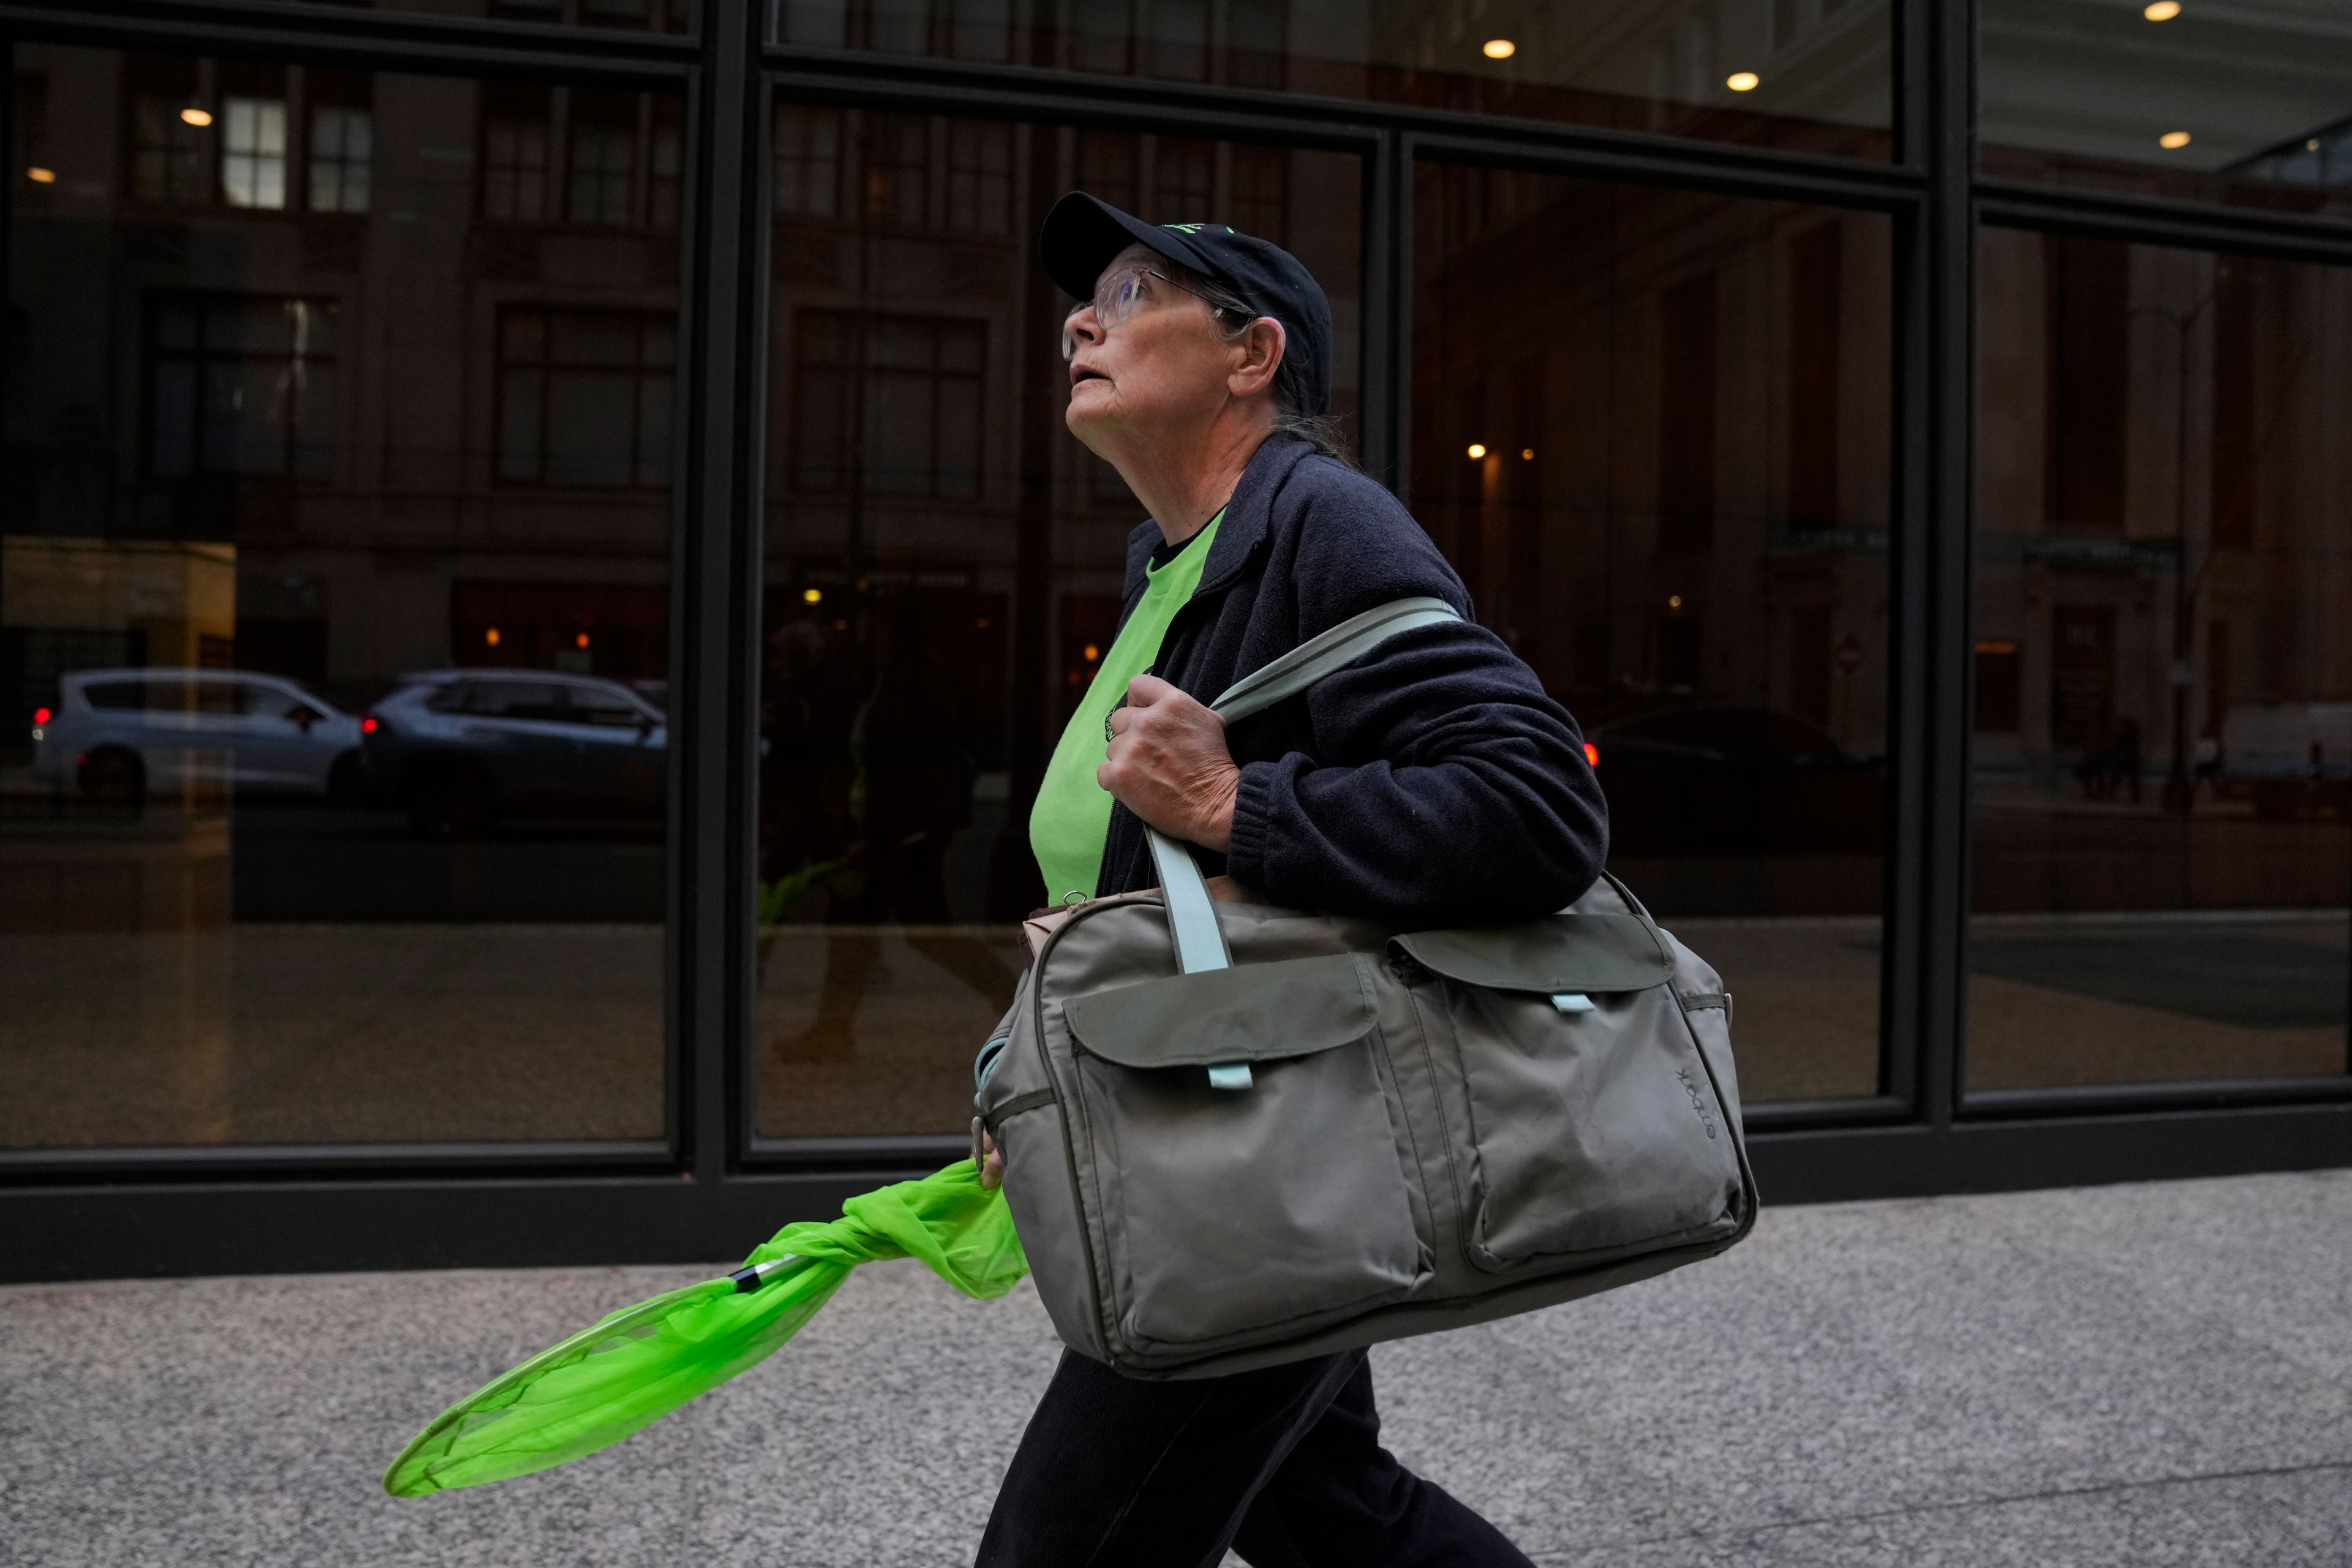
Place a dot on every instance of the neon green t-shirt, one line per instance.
(1070, 824)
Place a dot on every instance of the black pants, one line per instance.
(1283, 1465)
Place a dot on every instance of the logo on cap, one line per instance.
(1197, 227)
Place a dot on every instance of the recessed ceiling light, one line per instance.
(2173, 139)
(1477, 449)
(2162, 10)
(197, 116)
(1742, 81)
(41, 176)
(1500, 48)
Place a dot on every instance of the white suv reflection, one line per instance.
(115, 734)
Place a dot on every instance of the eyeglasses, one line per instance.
(1118, 297)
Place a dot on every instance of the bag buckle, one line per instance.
(1572, 1002)
(1229, 1075)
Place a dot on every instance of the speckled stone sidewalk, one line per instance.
(2138, 1376)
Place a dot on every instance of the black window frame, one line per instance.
(859, 381)
(644, 372)
(708, 1187)
(155, 353)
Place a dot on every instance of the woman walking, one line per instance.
(1431, 781)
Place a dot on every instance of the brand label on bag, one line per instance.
(1699, 1100)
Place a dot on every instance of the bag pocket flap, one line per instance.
(1250, 1012)
(1554, 954)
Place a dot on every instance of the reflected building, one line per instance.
(341, 377)
(944, 567)
(2007, 778)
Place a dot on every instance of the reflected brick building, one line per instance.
(1953, 603)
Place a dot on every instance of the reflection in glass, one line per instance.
(1810, 74)
(2248, 103)
(943, 568)
(1650, 430)
(253, 153)
(2163, 724)
(334, 611)
(625, 15)
(342, 159)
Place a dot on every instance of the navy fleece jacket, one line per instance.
(1431, 780)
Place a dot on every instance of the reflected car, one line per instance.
(1733, 779)
(2288, 758)
(116, 733)
(458, 749)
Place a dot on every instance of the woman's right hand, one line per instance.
(991, 1170)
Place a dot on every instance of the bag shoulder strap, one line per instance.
(1191, 915)
(1328, 651)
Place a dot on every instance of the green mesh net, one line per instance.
(642, 1362)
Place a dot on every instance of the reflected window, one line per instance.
(2162, 842)
(165, 136)
(1261, 194)
(979, 180)
(894, 400)
(1659, 461)
(343, 154)
(808, 162)
(239, 385)
(585, 396)
(618, 630)
(604, 160)
(1110, 166)
(1184, 172)
(515, 139)
(666, 163)
(897, 159)
(627, 15)
(253, 153)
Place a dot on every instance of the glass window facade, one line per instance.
(1649, 430)
(943, 572)
(1809, 74)
(334, 610)
(2247, 104)
(654, 16)
(534, 598)
(2163, 724)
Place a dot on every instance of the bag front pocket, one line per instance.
(1589, 1119)
(1237, 1214)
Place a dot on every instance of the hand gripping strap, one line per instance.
(1191, 915)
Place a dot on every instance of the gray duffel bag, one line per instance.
(1235, 1135)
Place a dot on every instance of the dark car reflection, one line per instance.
(458, 749)
(1730, 779)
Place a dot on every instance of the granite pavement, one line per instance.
(2139, 1377)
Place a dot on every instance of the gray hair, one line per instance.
(1233, 315)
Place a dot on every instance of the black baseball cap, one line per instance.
(1083, 233)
